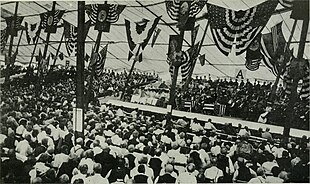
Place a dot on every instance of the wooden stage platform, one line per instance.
(215, 119)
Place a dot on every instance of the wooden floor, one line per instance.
(215, 119)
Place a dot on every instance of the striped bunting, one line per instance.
(14, 27)
(228, 25)
(305, 87)
(173, 8)
(253, 55)
(286, 3)
(70, 32)
(188, 61)
(99, 61)
(4, 39)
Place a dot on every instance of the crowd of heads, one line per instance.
(121, 145)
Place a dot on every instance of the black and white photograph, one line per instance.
(155, 91)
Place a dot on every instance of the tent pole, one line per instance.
(8, 66)
(282, 65)
(80, 59)
(294, 95)
(59, 46)
(93, 61)
(177, 65)
(128, 77)
(194, 61)
(34, 49)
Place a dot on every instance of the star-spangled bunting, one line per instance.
(50, 19)
(70, 32)
(138, 36)
(239, 27)
(13, 28)
(272, 44)
(102, 15)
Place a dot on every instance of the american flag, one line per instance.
(70, 32)
(305, 87)
(4, 39)
(50, 19)
(98, 61)
(271, 44)
(253, 55)
(228, 25)
(188, 61)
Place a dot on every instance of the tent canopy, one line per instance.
(154, 59)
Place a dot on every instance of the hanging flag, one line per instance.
(53, 56)
(138, 36)
(253, 55)
(305, 87)
(4, 39)
(70, 32)
(98, 61)
(188, 59)
(286, 3)
(50, 19)
(194, 34)
(272, 45)
(155, 35)
(61, 56)
(13, 28)
(32, 31)
(239, 27)
(202, 59)
(102, 15)
(300, 10)
(175, 45)
(184, 12)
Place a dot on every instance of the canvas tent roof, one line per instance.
(154, 59)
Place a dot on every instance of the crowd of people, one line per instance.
(245, 100)
(118, 145)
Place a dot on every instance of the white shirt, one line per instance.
(24, 148)
(213, 173)
(187, 177)
(96, 179)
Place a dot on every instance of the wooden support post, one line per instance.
(34, 49)
(294, 95)
(282, 65)
(59, 46)
(8, 66)
(80, 59)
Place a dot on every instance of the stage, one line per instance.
(215, 119)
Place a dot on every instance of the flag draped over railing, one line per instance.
(50, 19)
(239, 27)
(70, 32)
(138, 36)
(272, 44)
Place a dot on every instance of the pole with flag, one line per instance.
(187, 82)
(8, 66)
(300, 12)
(55, 57)
(35, 46)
